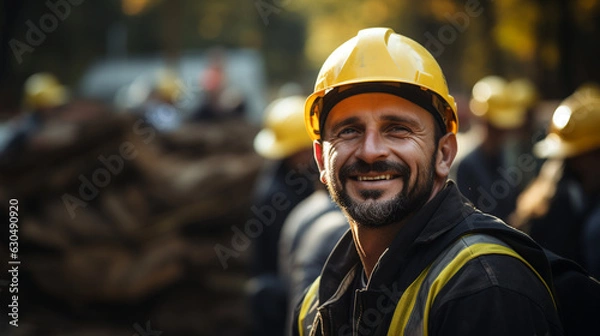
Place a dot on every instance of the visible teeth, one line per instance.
(374, 178)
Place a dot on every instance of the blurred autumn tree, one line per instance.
(89, 31)
(554, 42)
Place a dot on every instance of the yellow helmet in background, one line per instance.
(523, 92)
(168, 86)
(379, 55)
(575, 125)
(42, 90)
(284, 133)
(503, 104)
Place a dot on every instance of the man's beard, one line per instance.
(375, 213)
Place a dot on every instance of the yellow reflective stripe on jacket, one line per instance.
(407, 301)
(309, 299)
(464, 257)
(411, 315)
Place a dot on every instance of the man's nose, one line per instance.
(373, 147)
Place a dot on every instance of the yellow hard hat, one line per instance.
(380, 56)
(168, 85)
(284, 133)
(575, 125)
(523, 92)
(43, 90)
(503, 104)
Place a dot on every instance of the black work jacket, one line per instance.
(490, 295)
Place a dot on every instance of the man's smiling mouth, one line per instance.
(383, 177)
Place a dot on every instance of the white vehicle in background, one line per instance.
(127, 82)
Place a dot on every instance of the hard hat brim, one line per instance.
(554, 147)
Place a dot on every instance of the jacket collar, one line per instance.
(449, 208)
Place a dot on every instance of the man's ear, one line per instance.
(318, 152)
(446, 152)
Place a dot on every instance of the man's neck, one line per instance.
(372, 242)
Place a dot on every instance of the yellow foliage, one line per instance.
(134, 7)
(516, 26)
(439, 8)
(332, 22)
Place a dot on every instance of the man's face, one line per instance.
(378, 157)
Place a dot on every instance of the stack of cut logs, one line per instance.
(119, 222)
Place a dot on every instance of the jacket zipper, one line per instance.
(357, 305)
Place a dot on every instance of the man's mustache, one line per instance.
(361, 167)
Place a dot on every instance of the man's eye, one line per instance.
(347, 131)
(398, 129)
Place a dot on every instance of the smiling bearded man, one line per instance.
(370, 210)
(418, 258)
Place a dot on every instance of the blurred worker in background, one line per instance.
(43, 98)
(493, 174)
(561, 207)
(219, 101)
(308, 236)
(160, 109)
(287, 179)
